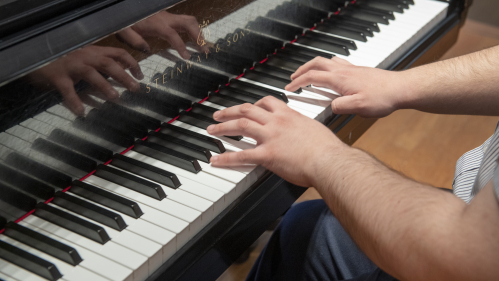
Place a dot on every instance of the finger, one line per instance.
(246, 110)
(93, 77)
(170, 35)
(127, 60)
(132, 38)
(71, 100)
(113, 69)
(270, 103)
(318, 63)
(346, 104)
(229, 159)
(317, 78)
(242, 126)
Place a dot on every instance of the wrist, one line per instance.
(328, 162)
(405, 88)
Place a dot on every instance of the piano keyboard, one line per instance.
(145, 184)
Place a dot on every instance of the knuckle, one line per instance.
(268, 99)
(86, 70)
(245, 108)
(243, 123)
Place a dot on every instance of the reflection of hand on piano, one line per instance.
(283, 140)
(368, 92)
(85, 64)
(165, 26)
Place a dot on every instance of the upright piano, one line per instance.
(104, 157)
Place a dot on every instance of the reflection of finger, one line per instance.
(246, 110)
(243, 126)
(93, 77)
(71, 100)
(318, 63)
(113, 69)
(170, 35)
(318, 78)
(249, 156)
(190, 24)
(134, 40)
(127, 60)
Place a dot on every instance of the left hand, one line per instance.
(288, 143)
(165, 26)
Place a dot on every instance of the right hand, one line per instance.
(85, 64)
(368, 92)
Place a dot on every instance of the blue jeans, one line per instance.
(310, 244)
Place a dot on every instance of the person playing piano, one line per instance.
(373, 223)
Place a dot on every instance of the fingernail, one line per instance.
(210, 128)
(214, 158)
(216, 114)
(186, 55)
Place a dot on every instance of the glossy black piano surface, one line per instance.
(104, 157)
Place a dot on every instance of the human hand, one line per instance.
(85, 64)
(368, 92)
(165, 26)
(290, 144)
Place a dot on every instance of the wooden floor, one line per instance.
(423, 146)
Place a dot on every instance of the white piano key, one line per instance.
(69, 272)
(138, 250)
(146, 229)
(151, 214)
(14, 272)
(106, 260)
(194, 202)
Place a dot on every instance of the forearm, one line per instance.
(464, 85)
(400, 224)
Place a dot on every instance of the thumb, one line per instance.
(345, 104)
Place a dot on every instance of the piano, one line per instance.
(104, 157)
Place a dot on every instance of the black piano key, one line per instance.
(43, 243)
(364, 30)
(338, 29)
(202, 121)
(304, 51)
(405, 2)
(224, 100)
(145, 170)
(256, 89)
(104, 131)
(373, 25)
(64, 155)
(3, 222)
(193, 137)
(266, 78)
(229, 62)
(130, 181)
(388, 14)
(244, 96)
(181, 146)
(73, 223)
(365, 15)
(25, 183)
(29, 261)
(7, 215)
(329, 6)
(168, 156)
(350, 44)
(106, 198)
(126, 113)
(288, 64)
(274, 71)
(297, 14)
(324, 45)
(89, 210)
(117, 123)
(78, 144)
(16, 199)
(382, 5)
(203, 108)
(152, 104)
(38, 170)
